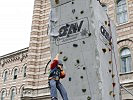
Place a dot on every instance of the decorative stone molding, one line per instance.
(126, 95)
(2, 62)
(128, 42)
(36, 94)
(15, 56)
(126, 78)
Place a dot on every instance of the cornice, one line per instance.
(14, 56)
(125, 25)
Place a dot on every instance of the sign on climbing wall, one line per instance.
(72, 31)
(105, 35)
(81, 33)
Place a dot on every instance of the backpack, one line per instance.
(62, 74)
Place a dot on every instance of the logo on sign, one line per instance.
(105, 33)
(72, 31)
(72, 28)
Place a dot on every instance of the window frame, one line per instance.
(15, 74)
(126, 68)
(3, 95)
(5, 76)
(122, 12)
(24, 70)
(13, 93)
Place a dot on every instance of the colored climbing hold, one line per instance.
(106, 23)
(113, 84)
(77, 61)
(88, 98)
(57, 1)
(110, 70)
(110, 62)
(113, 75)
(83, 90)
(113, 95)
(110, 93)
(65, 58)
(104, 50)
(75, 45)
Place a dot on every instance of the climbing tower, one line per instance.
(85, 37)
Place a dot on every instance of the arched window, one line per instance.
(3, 94)
(125, 57)
(12, 94)
(5, 76)
(122, 15)
(15, 74)
(25, 67)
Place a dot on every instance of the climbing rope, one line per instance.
(113, 55)
(47, 66)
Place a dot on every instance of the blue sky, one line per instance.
(15, 24)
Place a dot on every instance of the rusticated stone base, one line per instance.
(36, 94)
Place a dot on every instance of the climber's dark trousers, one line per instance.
(54, 85)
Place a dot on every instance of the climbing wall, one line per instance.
(85, 37)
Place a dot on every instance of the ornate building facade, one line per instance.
(22, 72)
(13, 74)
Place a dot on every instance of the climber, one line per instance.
(55, 75)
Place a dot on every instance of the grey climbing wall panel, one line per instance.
(87, 42)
